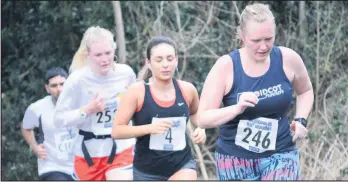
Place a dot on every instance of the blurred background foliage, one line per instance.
(37, 35)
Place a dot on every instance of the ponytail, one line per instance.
(93, 33)
(144, 73)
(79, 60)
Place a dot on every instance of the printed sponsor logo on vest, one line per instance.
(180, 104)
(270, 92)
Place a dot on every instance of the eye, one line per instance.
(268, 39)
(53, 85)
(170, 58)
(61, 84)
(98, 55)
(256, 41)
(108, 53)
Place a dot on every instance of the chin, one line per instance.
(105, 70)
(261, 58)
(166, 78)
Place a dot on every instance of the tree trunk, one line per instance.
(120, 37)
(302, 20)
(317, 84)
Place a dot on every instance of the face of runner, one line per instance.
(163, 61)
(101, 54)
(55, 86)
(258, 38)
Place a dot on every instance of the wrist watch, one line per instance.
(303, 121)
(83, 113)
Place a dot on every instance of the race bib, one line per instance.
(64, 141)
(172, 140)
(257, 135)
(102, 121)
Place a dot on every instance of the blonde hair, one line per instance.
(93, 33)
(257, 12)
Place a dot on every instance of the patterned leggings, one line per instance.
(279, 166)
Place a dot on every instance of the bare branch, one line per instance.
(193, 43)
(199, 155)
(338, 31)
(236, 8)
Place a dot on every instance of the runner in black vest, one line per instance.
(160, 107)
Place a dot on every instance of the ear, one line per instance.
(47, 90)
(241, 35)
(148, 64)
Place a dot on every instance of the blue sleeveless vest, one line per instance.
(275, 96)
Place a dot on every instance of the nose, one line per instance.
(263, 46)
(60, 88)
(105, 58)
(165, 63)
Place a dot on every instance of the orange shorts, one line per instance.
(101, 166)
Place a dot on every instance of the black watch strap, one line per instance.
(303, 121)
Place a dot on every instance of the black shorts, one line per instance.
(55, 175)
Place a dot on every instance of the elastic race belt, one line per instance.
(88, 136)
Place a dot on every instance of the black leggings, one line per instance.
(55, 175)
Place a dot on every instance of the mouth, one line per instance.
(262, 53)
(105, 66)
(165, 72)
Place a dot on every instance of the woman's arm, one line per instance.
(198, 135)
(303, 88)
(193, 101)
(66, 112)
(127, 108)
(210, 114)
(301, 82)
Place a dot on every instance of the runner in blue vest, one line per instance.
(160, 107)
(255, 84)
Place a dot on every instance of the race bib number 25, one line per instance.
(257, 135)
(102, 122)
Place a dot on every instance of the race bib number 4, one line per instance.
(172, 140)
(257, 135)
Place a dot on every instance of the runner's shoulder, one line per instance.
(187, 87)
(124, 68)
(136, 87)
(40, 105)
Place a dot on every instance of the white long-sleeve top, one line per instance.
(79, 89)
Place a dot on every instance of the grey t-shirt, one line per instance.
(58, 142)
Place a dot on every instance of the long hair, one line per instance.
(93, 33)
(145, 72)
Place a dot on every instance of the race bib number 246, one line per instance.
(257, 135)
